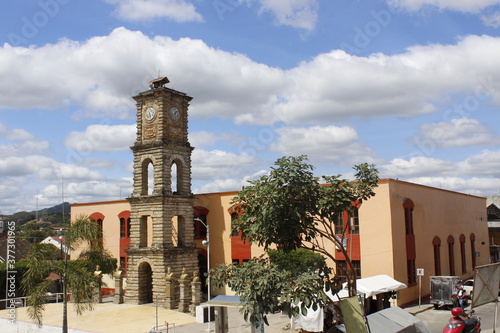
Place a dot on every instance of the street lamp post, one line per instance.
(207, 244)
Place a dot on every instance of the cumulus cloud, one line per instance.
(332, 143)
(46, 168)
(331, 87)
(146, 10)
(217, 164)
(459, 132)
(415, 167)
(336, 85)
(102, 138)
(301, 14)
(20, 143)
(477, 174)
(486, 163)
(202, 138)
(228, 184)
(467, 6)
(491, 19)
(473, 186)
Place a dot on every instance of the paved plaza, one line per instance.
(120, 318)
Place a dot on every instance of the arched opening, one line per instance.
(462, 253)
(151, 178)
(145, 283)
(174, 172)
(147, 177)
(451, 254)
(436, 243)
(411, 252)
(472, 238)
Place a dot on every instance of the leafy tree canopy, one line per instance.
(289, 209)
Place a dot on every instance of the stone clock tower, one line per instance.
(162, 228)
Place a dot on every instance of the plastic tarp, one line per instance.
(311, 322)
(370, 286)
(395, 320)
(486, 284)
(352, 313)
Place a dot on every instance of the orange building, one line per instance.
(404, 227)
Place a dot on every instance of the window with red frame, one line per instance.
(339, 224)
(451, 255)
(436, 243)
(462, 253)
(473, 249)
(200, 231)
(354, 221)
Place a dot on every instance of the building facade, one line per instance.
(404, 227)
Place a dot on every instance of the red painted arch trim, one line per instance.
(96, 216)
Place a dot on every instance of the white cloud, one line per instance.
(20, 143)
(229, 184)
(146, 10)
(332, 143)
(336, 85)
(202, 139)
(330, 87)
(296, 13)
(20, 134)
(491, 19)
(217, 164)
(468, 6)
(416, 167)
(472, 186)
(486, 163)
(460, 132)
(103, 138)
(45, 168)
(478, 174)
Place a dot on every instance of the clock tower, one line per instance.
(162, 228)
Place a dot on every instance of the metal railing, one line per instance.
(22, 301)
(166, 328)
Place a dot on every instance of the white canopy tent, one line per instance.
(369, 286)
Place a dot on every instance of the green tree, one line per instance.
(35, 232)
(290, 208)
(77, 275)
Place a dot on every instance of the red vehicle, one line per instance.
(462, 323)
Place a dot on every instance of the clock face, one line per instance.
(175, 113)
(150, 113)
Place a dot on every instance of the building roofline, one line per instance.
(388, 180)
(380, 181)
(98, 202)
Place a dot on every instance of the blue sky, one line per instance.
(412, 86)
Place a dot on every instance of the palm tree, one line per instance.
(77, 276)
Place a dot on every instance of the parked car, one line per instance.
(468, 286)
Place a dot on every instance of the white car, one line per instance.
(468, 286)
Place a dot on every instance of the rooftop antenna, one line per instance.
(36, 201)
(62, 198)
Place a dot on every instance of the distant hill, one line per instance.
(57, 208)
(53, 215)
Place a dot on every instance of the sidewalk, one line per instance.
(119, 318)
